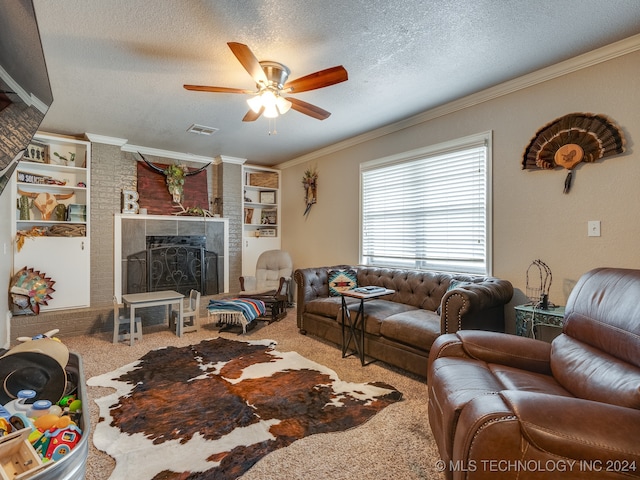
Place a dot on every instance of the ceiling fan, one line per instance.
(271, 82)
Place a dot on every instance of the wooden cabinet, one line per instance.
(51, 218)
(261, 210)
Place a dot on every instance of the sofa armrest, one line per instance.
(580, 438)
(476, 305)
(494, 347)
(579, 429)
(311, 283)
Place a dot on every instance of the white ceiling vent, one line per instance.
(202, 129)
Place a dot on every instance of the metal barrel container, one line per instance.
(74, 464)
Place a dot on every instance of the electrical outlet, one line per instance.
(593, 228)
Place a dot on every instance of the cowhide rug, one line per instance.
(212, 410)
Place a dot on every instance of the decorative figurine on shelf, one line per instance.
(175, 176)
(60, 212)
(45, 202)
(70, 162)
(310, 184)
(24, 205)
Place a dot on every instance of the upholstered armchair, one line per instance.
(507, 407)
(273, 275)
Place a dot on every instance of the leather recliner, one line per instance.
(507, 407)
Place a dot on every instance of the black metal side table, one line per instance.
(353, 330)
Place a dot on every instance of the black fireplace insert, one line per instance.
(172, 262)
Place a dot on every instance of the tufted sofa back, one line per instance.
(421, 289)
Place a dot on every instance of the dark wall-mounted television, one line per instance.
(25, 92)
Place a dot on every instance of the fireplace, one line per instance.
(155, 252)
(173, 262)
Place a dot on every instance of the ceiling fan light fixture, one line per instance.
(272, 103)
(270, 111)
(268, 99)
(255, 103)
(283, 105)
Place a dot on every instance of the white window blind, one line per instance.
(428, 210)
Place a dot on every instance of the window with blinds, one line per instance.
(429, 208)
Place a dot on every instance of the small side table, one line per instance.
(354, 329)
(531, 321)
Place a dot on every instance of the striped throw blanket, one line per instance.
(250, 308)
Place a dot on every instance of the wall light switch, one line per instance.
(593, 228)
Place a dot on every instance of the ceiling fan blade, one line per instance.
(323, 78)
(252, 116)
(202, 88)
(249, 61)
(308, 109)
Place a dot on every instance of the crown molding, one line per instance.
(187, 157)
(228, 159)
(28, 98)
(123, 143)
(600, 55)
(39, 104)
(95, 138)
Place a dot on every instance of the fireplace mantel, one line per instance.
(130, 231)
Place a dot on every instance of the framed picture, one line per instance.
(269, 216)
(248, 215)
(35, 152)
(268, 197)
(267, 232)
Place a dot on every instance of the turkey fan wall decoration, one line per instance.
(30, 288)
(569, 140)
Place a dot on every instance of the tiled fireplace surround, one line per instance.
(112, 170)
(132, 231)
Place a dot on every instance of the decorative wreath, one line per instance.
(569, 140)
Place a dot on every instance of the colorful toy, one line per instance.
(5, 427)
(75, 406)
(51, 421)
(66, 400)
(55, 444)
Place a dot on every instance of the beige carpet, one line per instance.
(395, 443)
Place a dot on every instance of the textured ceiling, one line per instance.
(117, 67)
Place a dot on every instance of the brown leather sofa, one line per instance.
(400, 328)
(507, 407)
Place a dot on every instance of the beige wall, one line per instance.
(532, 218)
